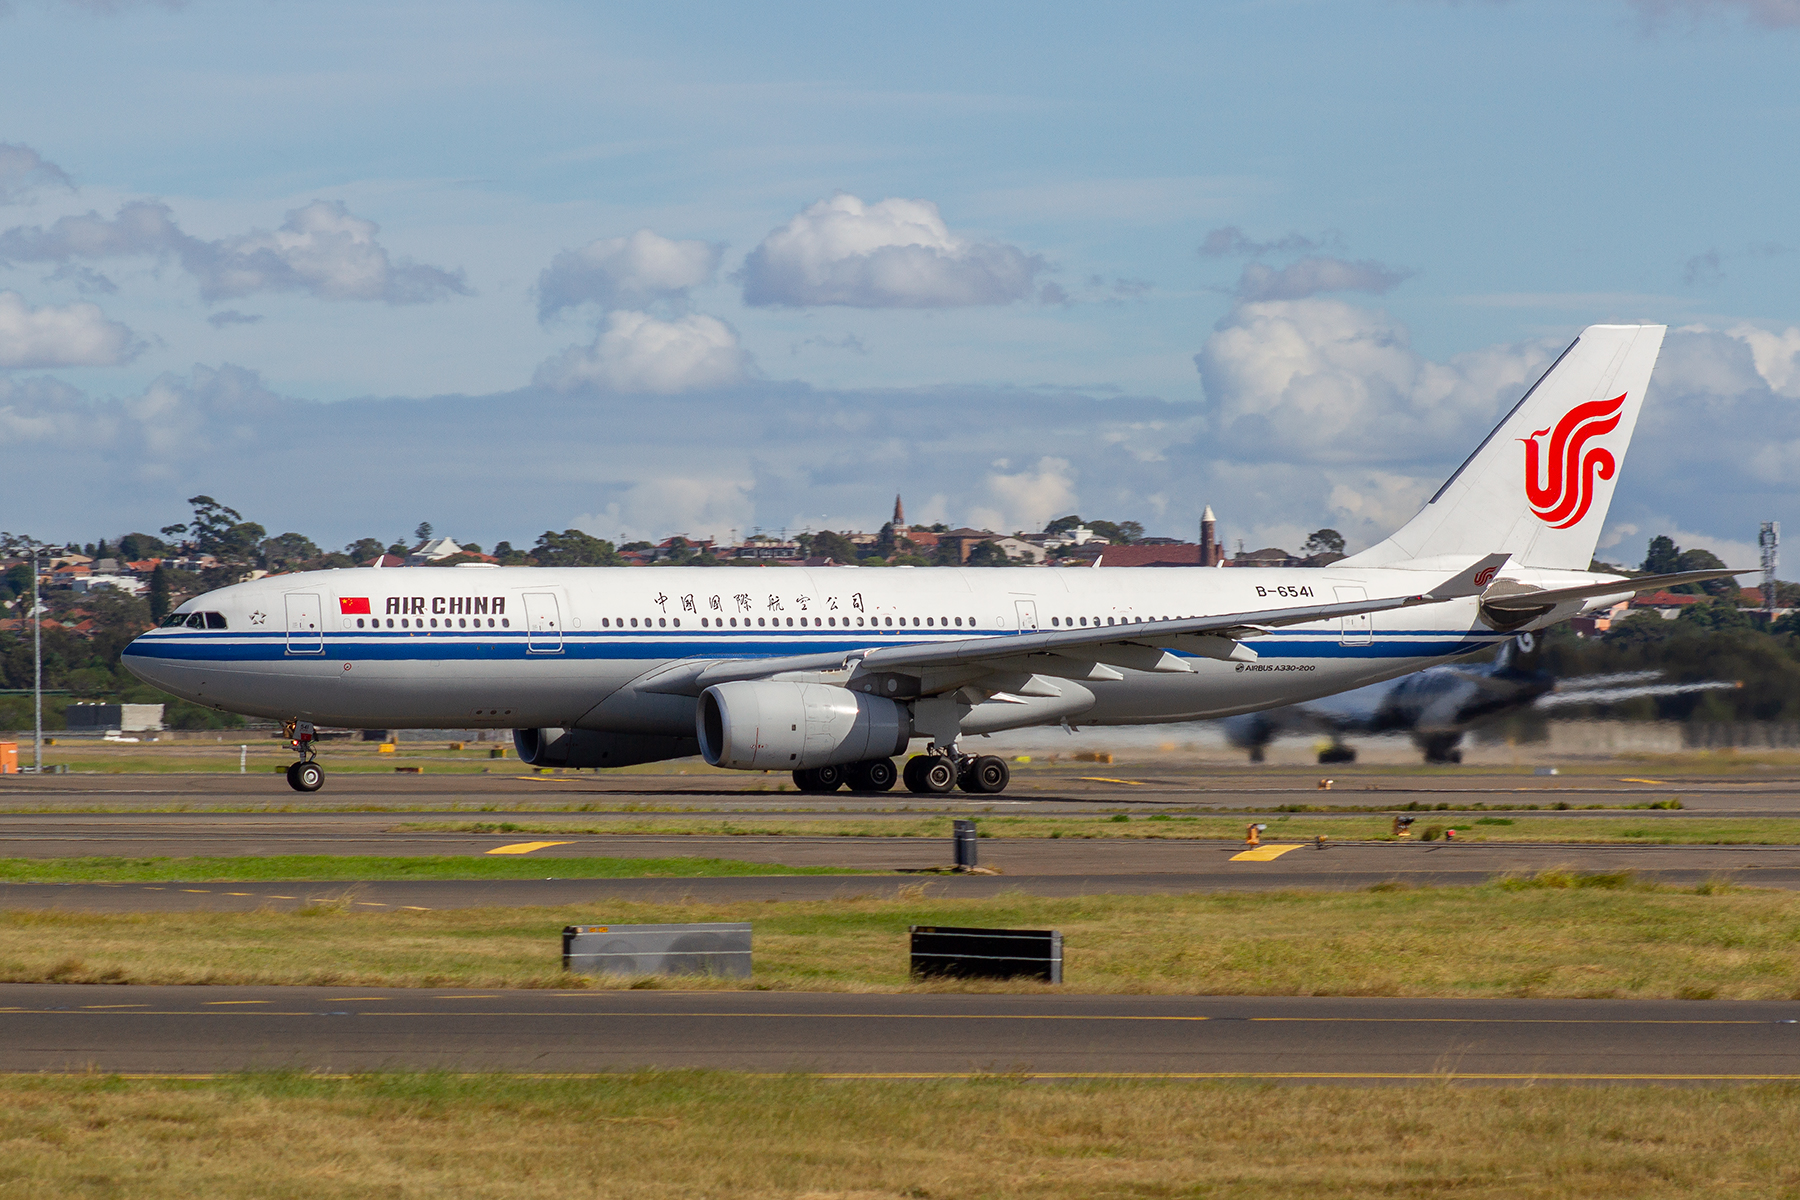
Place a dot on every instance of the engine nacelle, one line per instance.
(761, 725)
(586, 748)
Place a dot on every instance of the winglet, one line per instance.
(1471, 582)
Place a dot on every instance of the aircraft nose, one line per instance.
(141, 659)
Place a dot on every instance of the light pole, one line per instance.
(37, 670)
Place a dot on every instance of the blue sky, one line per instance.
(356, 266)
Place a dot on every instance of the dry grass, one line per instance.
(1575, 936)
(1489, 825)
(694, 1135)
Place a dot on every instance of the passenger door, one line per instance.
(1360, 629)
(305, 631)
(543, 623)
(1028, 621)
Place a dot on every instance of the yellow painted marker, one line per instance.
(1263, 853)
(524, 847)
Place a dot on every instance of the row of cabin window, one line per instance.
(766, 622)
(1070, 621)
(461, 623)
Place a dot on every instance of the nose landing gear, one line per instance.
(306, 775)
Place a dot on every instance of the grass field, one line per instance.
(661, 1136)
(329, 867)
(1572, 936)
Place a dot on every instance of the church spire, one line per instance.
(899, 513)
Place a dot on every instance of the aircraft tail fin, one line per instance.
(1539, 486)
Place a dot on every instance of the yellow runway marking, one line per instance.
(1103, 779)
(283, 897)
(547, 779)
(239, 893)
(237, 1001)
(415, 908)
(1263, 853)
(524, 847)
(1640, 781)
(198, 891)
(115, 1006)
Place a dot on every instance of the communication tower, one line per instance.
(1770, 541)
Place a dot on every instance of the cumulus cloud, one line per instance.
(636, 352)
(78, 335)
(1028, 499)
(23, 171)
(1323, 381)
(321, 249)
(890, 254)
(1312, 275)
(625, 272)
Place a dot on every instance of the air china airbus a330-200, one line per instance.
(832, 673)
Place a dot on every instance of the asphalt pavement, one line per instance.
(52, 1027)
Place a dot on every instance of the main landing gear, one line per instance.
(306, 775)
(925, 774)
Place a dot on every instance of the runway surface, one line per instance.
(52, 1027)
(1099, 788)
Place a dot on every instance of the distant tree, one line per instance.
(940, 527)
(884, 541)
(471, 547)
(287, 551)
(399, 549)
(638, 546)
(1706, 560)
(573, 548)
(1324, 541)
(1640, 629)
(1063, 524)
(834, 545)
(987, 554)
(364, 549)
(805, 542)
(159, 594)
(1712, 615)
(136, 547)
(1663, 557)
(218, 530)
(423, 532)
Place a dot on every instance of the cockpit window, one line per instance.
(215, 620)
(196, 621)
(174, 619)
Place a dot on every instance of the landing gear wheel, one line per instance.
(930, 774)
(876, 775)
(306, 777)
(986, 775)
(1336, 754)
(819, 779)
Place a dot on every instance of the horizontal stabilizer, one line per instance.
(1511, 597)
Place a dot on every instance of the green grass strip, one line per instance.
(320, 867)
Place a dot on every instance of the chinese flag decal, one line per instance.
(353, 606)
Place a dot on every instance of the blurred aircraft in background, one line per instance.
(1438, 705)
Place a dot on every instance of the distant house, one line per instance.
(961, 541)
(1020, 551)
(1268, 556)
(385, 560)
(431, 550)
(1164, 554)
(1668, 605)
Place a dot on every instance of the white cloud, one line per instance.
(657, 508)
(1323, 381)
(78, 335)
(1027, 500)
(625, 272)
(1776, 355)
(636, 352)
(23, 171)
(1312, 275)
(321, 249)
(890, 254)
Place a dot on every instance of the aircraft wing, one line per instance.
(1089, 653)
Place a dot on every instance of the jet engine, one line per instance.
(773, 726)
(587, 748)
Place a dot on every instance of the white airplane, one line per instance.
(831, 673)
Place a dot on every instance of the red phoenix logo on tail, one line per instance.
(1562, 487)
